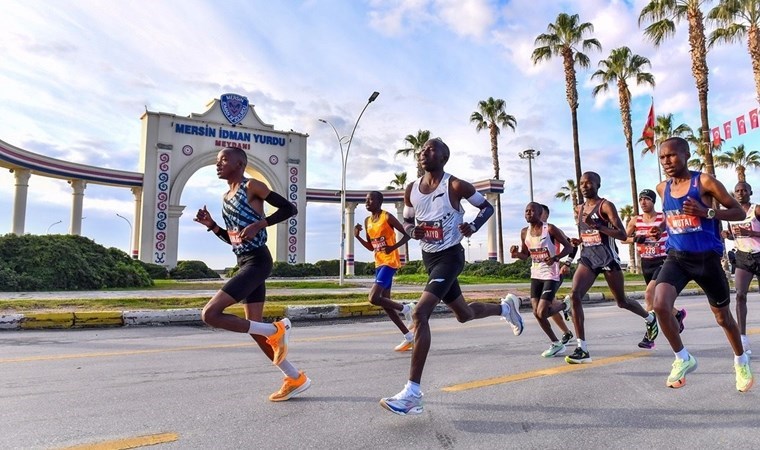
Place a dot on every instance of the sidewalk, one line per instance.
(192, 316)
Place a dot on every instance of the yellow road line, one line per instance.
(541, 373)
(135, 442)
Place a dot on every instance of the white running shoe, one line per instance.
(408, 316)
(556, 349)
(403, 404)
(513, 317)
(404, 346)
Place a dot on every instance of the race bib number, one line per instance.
(680, 223)
(648, 249)
(378, 243)
(538, 255)
(235, 239)
(737, 228)
(591, 238)
(433, 231)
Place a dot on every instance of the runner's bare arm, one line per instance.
(715, 189)
(558, 236)
(523, 251)
(465, 190)
(365, 242)
(617, 231)
(394, 222)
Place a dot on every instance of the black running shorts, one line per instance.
(247, 285)
(612, 266)
(702, 267)
(748, 261)
(443, 268)
(650, 267)
(543, 289)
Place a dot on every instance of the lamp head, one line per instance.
(373, 97)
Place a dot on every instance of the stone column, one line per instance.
(137, 192)
(350, 217)
(401, 250)
(77, 197)
(19, 200)
(172, 234)
(492, 235)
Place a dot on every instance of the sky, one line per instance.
(76, 76)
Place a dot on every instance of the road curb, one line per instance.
(192, 316)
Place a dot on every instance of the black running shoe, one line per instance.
(680, 316)
(652, 329)
(578, 357)
(646, 343)
(566, 337)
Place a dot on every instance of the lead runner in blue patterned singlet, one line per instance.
(694, 253)
(245, 222)
(433, 214)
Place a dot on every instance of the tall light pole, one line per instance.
(129, 247)
(343, 162)
(530, 154)
(52, 225)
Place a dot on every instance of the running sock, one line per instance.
(288, 369)
(744, 340)
(650, 317)
(405, 309)
(683, 355)
(582, 345)
(412, 388)
(262, 328)
(409, 336)
(742, 359)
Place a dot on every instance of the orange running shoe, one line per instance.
(291, 387)
(279, 340)
(404, 346)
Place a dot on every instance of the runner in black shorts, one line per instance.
(651, 251)
(694, 253)
(245, 230)
(599, 225)
(564, 271)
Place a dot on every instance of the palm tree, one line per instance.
(562, 39)
(415, 146)
(490, 114)
(735, 20)
(569, 192)
(697, 158)
(739, 159)
(621, 65)
(663, 15)
(398, 182)
(626, 212)
(663, 129)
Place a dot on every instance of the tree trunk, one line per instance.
(700, 72)
(753, 44)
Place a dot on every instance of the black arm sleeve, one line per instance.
(285, 209)
(223, 235)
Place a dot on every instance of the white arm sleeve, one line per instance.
(476, 199)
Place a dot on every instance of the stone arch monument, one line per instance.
(174, 148)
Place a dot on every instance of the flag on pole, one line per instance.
(727, 130)
(647, 135)
(716, 137)
(753, 119)
(741, 125)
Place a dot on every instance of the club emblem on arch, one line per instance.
(234, 107)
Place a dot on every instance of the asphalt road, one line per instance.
(193, 387)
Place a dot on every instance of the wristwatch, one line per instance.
(710, 213)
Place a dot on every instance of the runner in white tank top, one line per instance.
(538, 242)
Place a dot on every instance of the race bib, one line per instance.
(648, 249)
(538, 255)
(378, 243)
(433, 231)
(235, 238)
(737, 227)
(591, 238)
(680, 223)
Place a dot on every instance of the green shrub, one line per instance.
(65, 262)
(412, 267)
(192, 270)
(155, 271)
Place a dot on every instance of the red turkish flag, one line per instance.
(741, 125)
(648, 133)
(753, 120)
(727, 130)
(716, 136)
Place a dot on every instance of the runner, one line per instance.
(243, 213)
(433, 214)
(539, 241)
(694, 253)
(564, 271)
(599, 225)
(746, 237)
(381, 239)
(652, 253)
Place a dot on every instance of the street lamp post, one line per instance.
(529, 154)
(344, 162)
(129, 247)
(52, 225)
